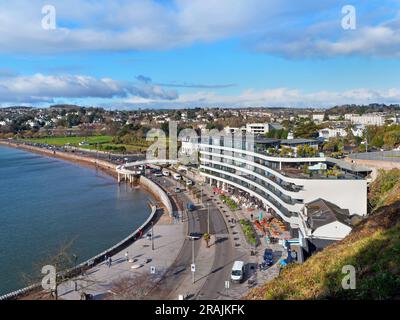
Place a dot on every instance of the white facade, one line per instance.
(334, 231)
(358, 131)
(328, 133)
(257, 128)
(318, 117)
(367, 119)
(333, 117)
(246, 170)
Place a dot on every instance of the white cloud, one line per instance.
(277, 97)
(305, 28)
(44, 88)
(382, 40)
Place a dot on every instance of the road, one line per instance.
(181, 267)
(224, 254)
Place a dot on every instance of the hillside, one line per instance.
(373, 248)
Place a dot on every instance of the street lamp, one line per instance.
(193, 276)
(152, 235)
(208, 217)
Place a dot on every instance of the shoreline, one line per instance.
(105, 166)
(109, 169)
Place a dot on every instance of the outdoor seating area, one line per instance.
(272, 228)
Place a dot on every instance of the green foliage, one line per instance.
(385, 137)
(249, 232)
(232, 204)
(373, 248)
(306, 129)
(306, 151)
(383, 185)
(277, 134)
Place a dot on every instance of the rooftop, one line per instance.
(321, 212)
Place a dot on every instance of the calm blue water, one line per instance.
(45, 203)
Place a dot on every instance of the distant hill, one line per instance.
(363, 109)
(65, 106)
(373, 248)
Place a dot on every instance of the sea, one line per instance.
(48, 206)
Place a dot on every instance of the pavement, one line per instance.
(173, 255)
(98, 281)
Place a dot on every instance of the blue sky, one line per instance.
(148, 53)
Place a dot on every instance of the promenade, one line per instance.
(100, 280)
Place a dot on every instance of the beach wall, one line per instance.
(158, 193)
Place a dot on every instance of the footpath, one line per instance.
(144, 262)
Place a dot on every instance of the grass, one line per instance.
(103, 143)
(74, 141)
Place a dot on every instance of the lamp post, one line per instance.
(208, 217)
(152, 235)
(193, 276)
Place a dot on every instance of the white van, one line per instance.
(165, 173)
(177, 176)
(237, 271)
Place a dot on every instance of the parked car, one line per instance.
(166, 173)
(195, 235)
(268, 257)
(177, 190)
(237, 273)
(191, 207)
(158, 174)
(177, 176)
(189, 182)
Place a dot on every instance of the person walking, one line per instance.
(127, 256)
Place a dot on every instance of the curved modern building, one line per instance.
(287, 176)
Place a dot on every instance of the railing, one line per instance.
(88, 263)
(241, 184)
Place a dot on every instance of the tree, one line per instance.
(391, 139)
(133, 287)
(306, 129)
(61, 260)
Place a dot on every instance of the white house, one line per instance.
(367, 119)
(323, 220)
(328, 133)
(318, 117)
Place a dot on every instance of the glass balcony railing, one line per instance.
(248, 186)
(274, 179)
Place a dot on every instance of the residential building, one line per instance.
(367, 119)
(262, 128)
(328, 133)
(285, 185)
(318, 117)
(323, 223)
